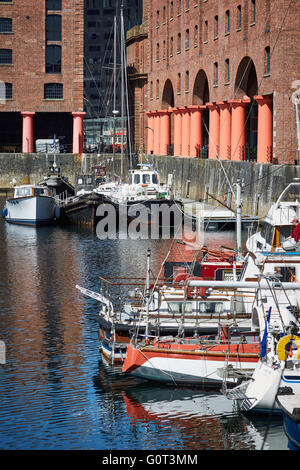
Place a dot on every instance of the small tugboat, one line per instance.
(30, 205)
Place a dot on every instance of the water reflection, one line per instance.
(182, 418)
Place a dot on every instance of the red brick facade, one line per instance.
(27, 72)
(223, 50)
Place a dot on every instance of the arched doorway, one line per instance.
(201, 97)
(246, 85)
(168, 102)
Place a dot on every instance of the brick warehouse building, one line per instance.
(216, 75)
(41, 73)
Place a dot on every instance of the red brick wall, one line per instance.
(27, 74)
(277, 25)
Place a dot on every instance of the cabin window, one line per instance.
(38, 191)
(285, 231)
(146, 179)
(154, 179)
(285, 274)
(211, 307)
(21, 192)
(179, 307)
(136, 179)
(267, 232)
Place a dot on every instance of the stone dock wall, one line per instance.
(191, 177)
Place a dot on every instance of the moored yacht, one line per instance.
(30, 205)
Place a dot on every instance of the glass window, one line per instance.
(216, 26)
(136, 179)
(8, 91)
(180, 307)
(227, 71)
(211, 307)
(154, 178)
(253, 12)
(53, 28)
(5, 25)
(267, 60)
(53, 4)
(53, 91)
(53, 59)
(5, 56)
(227, 21)
(146, 179)
(239, 17)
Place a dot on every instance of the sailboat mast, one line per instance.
(122, 90)
(114, 109)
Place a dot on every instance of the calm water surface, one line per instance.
(58, 393)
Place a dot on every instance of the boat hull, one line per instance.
(260, 395)
(187, 367)
(30, 210)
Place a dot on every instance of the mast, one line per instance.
(147, 293)
(114, 108)
(122, 91)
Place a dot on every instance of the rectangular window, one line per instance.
(5, 91)
(216, 26)
(239, 17)
(53, 5)
(206, 31)
(5, 56)
(53, 91)
(53, 59)
(253, 12)
(216, 73)
(227, 71)
(53, 28)
(227, 22)
(5, 25)
(8, 91)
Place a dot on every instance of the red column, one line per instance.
(177, 131)
(27, 133)
(238, 128)
(78, 132)
(164, 132)
(214, 130)
(196, 136)
(225, 130)
(264, 129)
(186, 131)
(150, 133)
(156, 137)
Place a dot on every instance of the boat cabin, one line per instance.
(30, 191)
(144, 176)
(277, 226)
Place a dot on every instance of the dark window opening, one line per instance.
(5, 56)
(53, 28)
(53, 4)
(5, 25)
(53, 59)
(53, 91)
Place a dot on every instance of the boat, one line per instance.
(277, 226)
(194, 361)
(290, 407)
(81, 208)
(30, 205)
(143, 198)
(173, 308)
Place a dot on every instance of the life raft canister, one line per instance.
(283, 342)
